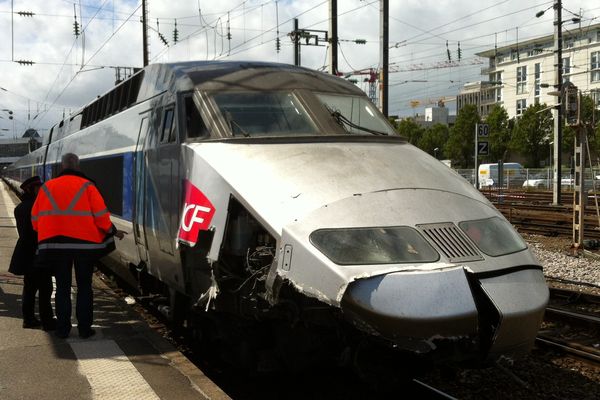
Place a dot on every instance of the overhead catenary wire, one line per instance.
(93, 55)
(243, 12)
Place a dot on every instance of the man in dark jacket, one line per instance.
(23, 260)
(74, 229)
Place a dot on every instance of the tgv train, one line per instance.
(265, 195)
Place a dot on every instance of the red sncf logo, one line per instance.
(197, 214)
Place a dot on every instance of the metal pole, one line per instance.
(557, 111)
(579, 194)
(12, 29)
(475, 158)
(145, 32)
(333, 45)
(296, 43)
(385, 47)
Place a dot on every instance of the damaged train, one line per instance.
(267, 195)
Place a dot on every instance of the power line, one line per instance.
(93, 55)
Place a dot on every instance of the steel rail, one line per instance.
(587, 353)
(585, 317)
(429, 392)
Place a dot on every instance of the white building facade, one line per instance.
(517, 72)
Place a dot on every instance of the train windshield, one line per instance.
(356, 114)
(494, 236)
(384, 245)
(264, 114)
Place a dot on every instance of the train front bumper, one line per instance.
(425, 311)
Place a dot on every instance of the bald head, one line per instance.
(70, 161)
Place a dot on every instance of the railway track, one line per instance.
(325, 382)
(572, 325)
(532, 212)
(422, 390)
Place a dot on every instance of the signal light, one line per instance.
(572, 105)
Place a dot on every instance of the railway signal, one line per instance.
(482, 147)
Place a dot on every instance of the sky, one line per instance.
(68, 71)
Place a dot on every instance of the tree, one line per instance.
(500, 132)
(532, 132)
(434, 138)
(410, 130)
(589, 119)
(461, 142)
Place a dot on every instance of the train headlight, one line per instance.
(381, 245)
(493, 236)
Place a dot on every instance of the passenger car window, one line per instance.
(264, 114)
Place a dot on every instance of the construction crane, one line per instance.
(440, 101)
(371, 78)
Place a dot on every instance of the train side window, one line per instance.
(167, 127)
(194, 125)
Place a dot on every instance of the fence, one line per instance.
(538, 178)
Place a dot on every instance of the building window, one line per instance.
(566, 62)
(521, 106)
(595, 93)
(568, 43)
(497, 78)
(595, 67)
(522, 79)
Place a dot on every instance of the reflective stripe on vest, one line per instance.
(76, 246)
(56, 210)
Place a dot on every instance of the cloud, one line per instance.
(419, 29)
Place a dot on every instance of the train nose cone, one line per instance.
(519, 299)
(413, 309)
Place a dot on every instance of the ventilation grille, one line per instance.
(451, 241)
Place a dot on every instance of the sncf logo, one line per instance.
(197, 214)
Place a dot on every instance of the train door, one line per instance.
(168, 159)
(140, 193)
(162, 192)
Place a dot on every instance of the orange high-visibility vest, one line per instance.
(70, 206)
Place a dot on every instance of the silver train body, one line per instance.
(247, 187)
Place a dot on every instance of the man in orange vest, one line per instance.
(74, 228)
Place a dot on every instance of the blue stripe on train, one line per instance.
(128, 187)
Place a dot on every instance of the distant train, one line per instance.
(262, 196)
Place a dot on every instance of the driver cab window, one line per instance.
(194, 125)
(168, 127)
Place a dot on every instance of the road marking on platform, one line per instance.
(110, 373)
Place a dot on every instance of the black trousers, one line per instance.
(37, 280)
(84, 268)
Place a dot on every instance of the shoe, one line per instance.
(32, 324)
(86, 333)
(61, 335)
(49, 325)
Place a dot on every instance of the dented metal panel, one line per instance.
(416, 305)
(520, 297)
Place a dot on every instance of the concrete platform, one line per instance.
(124, 360)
